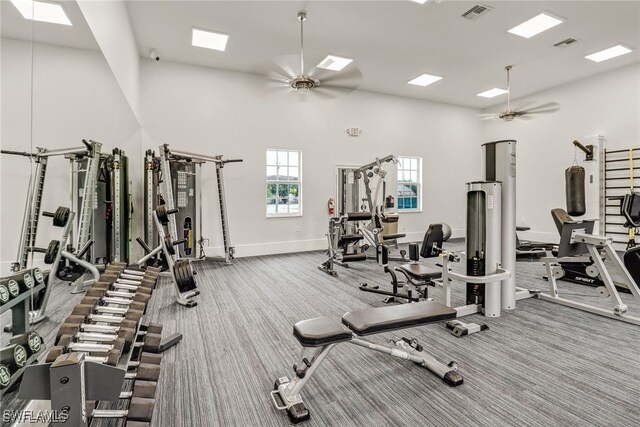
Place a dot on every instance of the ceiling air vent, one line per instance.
(565, 43)
(477, 11)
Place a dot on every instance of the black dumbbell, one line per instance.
(31, 341)
(9, 289)
(12, 358)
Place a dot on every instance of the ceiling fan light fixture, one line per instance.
(609, 53)
(209, 39)
(334, 63)
(304, 83)
(535, 25)
(424, 80)
(492, 93)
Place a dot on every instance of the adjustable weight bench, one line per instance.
(323, 333)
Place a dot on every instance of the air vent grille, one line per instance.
(565, 43)
(477, 11)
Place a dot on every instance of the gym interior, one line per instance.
(334, 213)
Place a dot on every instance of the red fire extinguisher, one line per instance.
(331, 206)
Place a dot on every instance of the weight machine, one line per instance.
(173, 178)
(383, 227)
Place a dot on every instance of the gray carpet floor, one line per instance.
(540, 365)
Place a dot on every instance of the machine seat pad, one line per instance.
(381, 319)
(320, 331)
(352, 237)
(421, 272)
(392, 236)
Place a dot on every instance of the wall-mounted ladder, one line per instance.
(621, 172)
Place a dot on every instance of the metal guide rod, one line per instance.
(166, 190)
(226, 239)
(31, 214)
(116, 210)
(88, 195)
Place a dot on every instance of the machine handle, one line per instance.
(179, 242)
(49, 214)
(84, 250)
(233, 161)
(17, 153)
(145, 247)
(171, 211)
(37, 249)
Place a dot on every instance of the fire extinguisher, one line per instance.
(331, 206)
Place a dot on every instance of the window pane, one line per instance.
(282, 158)
(283, 194)
(400, 162)
(293, 158)
(282, 173)
(272, 172)
(414, 190)
(293, 174)
(414, 203)
(414, 164)
(272, 157)
(271, 191)
(414, 176)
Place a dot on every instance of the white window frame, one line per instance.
(418, 183)
(276, 182)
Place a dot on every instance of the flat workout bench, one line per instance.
(323, 333)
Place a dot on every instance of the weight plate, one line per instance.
(20, 356)
(27, 280)
(4, 294)
(14, 288)
(5, 376)
(35, 342)
(37, 274)
(169, 245)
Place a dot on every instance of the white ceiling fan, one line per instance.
(323, 82)
(509, 114)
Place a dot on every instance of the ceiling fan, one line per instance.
(509, 114)
(323, 82)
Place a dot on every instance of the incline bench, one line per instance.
(323, 333)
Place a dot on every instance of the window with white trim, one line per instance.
(284, 183)
(409, 184)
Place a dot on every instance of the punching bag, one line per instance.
(575, 191)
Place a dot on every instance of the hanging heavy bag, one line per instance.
(575, 191)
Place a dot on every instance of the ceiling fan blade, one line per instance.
(348, 79)
(488, 116)
(549, 107)
(284, 66)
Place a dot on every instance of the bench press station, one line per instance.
(324, 333)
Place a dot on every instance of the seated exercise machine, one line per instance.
(181, 271)
(324, 333)
(578, 242)
(417, 276)
(344, 247)
(630, 210)
(528, 250)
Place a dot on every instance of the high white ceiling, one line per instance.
(394, 41)
(390, 41)
(78, 35)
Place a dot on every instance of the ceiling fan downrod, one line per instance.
(302, 81)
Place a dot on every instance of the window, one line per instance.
(409, 183)
(284, 195)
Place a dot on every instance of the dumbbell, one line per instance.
(122, 322)
(69, 344)
(9, 289)
(119, 287)
(110, 357)
(120, 313)
(12, 358)
(31, 341)
(140, 409)
(144, 389)
(98, 333)
(133, 283)
(100, 302)
(99, 292)
(27, 279)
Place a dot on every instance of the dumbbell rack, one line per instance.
(68, 382)
(19, 307)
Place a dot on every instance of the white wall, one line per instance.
(75, 97)
(220, 112)
(110, 24)
(607, 104)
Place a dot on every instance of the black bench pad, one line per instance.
(381, 319)
(320, 331)
(421, 272)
